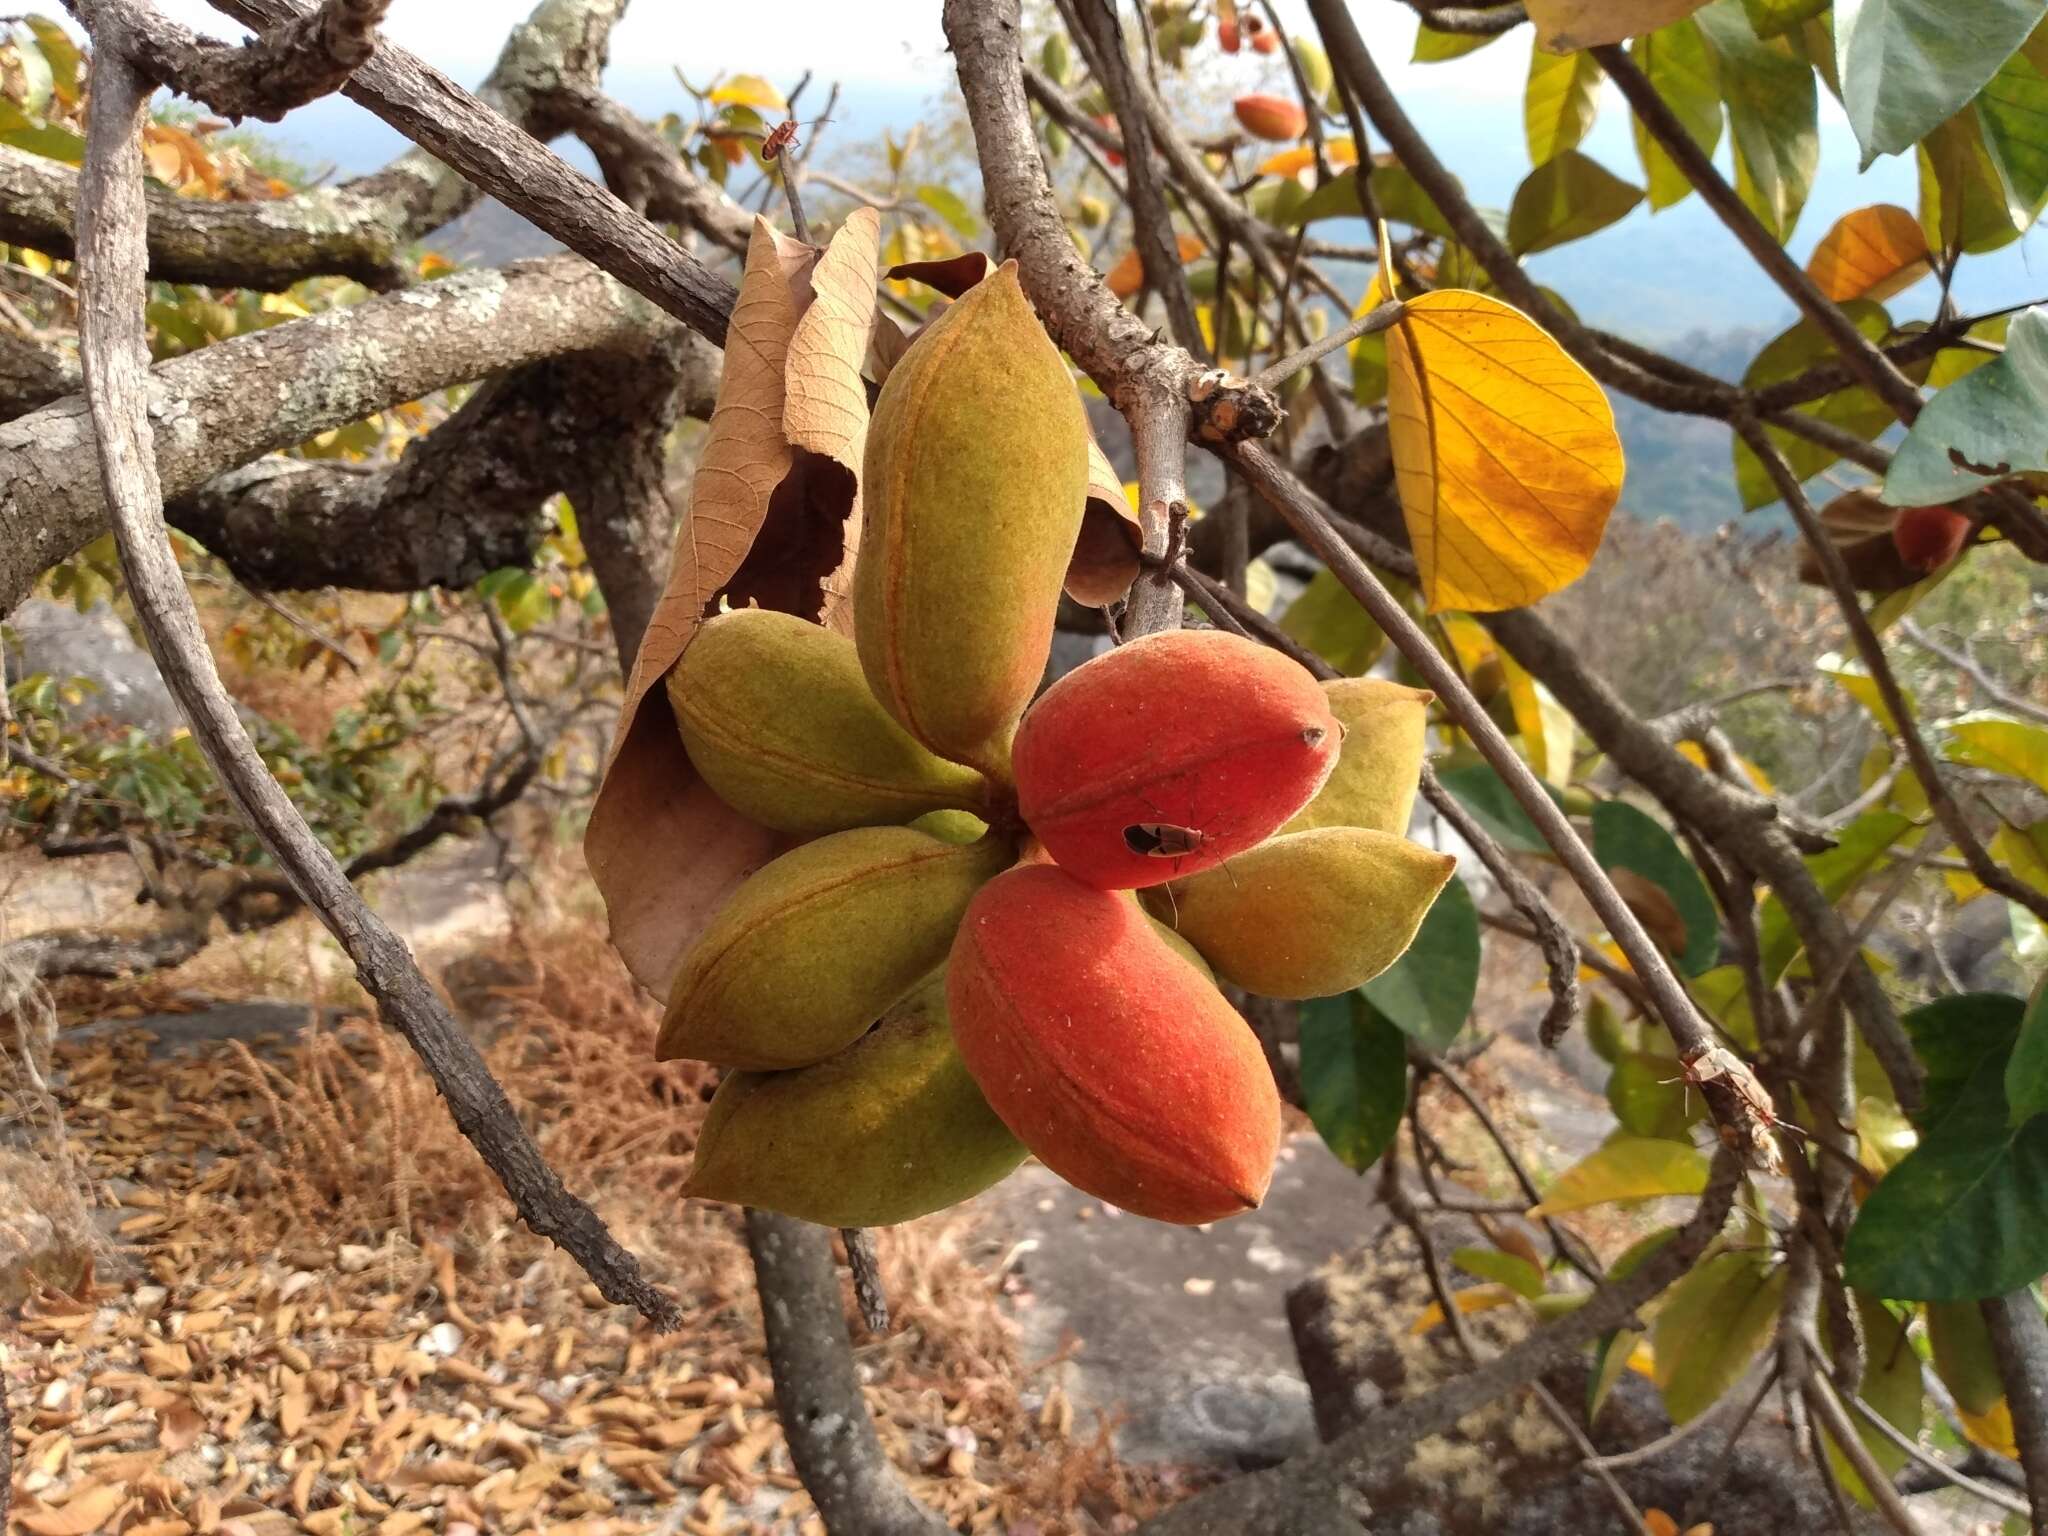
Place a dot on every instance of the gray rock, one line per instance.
(55, 638)
(1183, 1334)
(45, 1238)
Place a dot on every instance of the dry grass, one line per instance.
(331, 1155)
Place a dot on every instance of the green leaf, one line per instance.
(1565, 199)
(1859, 847)
(1772, 115)
(1626, 1168)
(1434, 47)
(1907, 66)
(62, 55)
(1791, 352)
(1428, 992)
(1965, 1215)
(1990, 424)
(1315, 66)
(1560, 102)
(1769, 18)
(1988, 739)
(1055, 58)
(1487, 796)
(1711, 1326)
(1400, 198)
(948, 205)
(1963, 202)
(1963, 1355)
(1649, 1097)
(1677, 61)
(47, 140)
(1354, 1076)
(2012, 113)
(1627, 838)
(2026, 1070)
(1508, 1269)
(1332, 623)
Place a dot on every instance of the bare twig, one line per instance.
(1380, 318)
(112, 259)
(1546, 928)
(865, 1265)
(1974, 670)
(1827, 1410)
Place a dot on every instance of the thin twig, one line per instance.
(1826, 1407)
(112, 256)
(865, 1265)
(1546, 929)
(1974, 670)
(1381, 317)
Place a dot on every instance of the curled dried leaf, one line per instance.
(772, 512)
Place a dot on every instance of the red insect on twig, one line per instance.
(1743, 1111)
(780, 137)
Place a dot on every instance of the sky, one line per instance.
(1651, 276)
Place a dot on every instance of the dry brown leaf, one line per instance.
(292, 1408)
(179, 1426)
(1105, 558)
(81, 1516)
(952, 276)
(1653, 908)
(664, 850)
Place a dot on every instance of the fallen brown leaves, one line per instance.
(322, 1317)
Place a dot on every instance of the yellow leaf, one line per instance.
(749, 91)
(35, 261)
(1872, 253)
(1292, 162)
(1857, 682)
(1695, 754)
(1474, 1298)
(1505, 452)
(1471, 641)
(1991, 1429)
(1564, 26)
(1544, 725)
(433, 264)
(1626, 1168)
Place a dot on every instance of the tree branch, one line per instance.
(509, 163)
(230, 403)
(112, 286)
(287, 66)
(2019, 1342)
(360, 229)
(824, 1416)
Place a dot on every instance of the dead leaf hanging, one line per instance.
(773, 518)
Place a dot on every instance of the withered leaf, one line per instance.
(666, 852)
(80, 1516)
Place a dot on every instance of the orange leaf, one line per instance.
(1505, 453)
(1128, 275)
(1291, 162)
(666, 852)
(1872, 253)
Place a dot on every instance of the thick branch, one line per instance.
(513, 166)
(824, 1416)
(359, 229)
(645, 170)
(230, 403)
(2019, 1341)
(466, 498)
(304, 59)
(115, 356)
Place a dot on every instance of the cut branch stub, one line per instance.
(774, 515)
(1105, 560)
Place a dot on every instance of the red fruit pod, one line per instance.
(1267, 42)
(1168, 755)
(1107, 1053)
(1226, 33)
(1929, 537)
(1270, 117)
